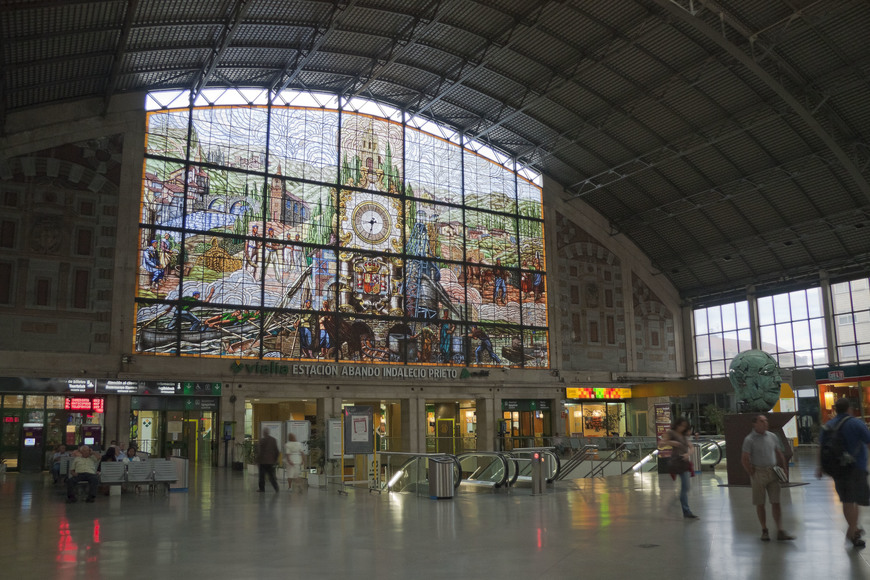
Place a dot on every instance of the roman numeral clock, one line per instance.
(370, 282)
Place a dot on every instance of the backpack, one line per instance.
(835, 459)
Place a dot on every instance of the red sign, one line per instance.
(83, 404)
(11, 419)
(836, 375)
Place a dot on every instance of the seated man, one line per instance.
(83, 468)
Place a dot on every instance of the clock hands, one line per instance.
(372, 223)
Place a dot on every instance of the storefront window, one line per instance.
(13, 401)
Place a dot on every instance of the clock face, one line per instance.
(371, 222)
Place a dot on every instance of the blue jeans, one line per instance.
(684, 492)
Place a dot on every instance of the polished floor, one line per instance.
(619, 527)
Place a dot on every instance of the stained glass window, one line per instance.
(302, 227)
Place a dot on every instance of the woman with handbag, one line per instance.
(677, 438)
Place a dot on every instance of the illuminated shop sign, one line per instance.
(598, 393)
(83, 404)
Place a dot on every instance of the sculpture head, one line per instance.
(755, 377)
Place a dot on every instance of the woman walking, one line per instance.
(677, 438)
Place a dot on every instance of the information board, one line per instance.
(359, 435)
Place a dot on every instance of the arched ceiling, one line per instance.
(729, 140)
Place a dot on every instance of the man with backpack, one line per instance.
(843, 455)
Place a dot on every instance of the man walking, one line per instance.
(267, 457)
(851, 483)
(760, 454)
(83, 468)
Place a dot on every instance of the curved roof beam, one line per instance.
(688, 17)
(503, 40)
(229, 30)
(297, 64)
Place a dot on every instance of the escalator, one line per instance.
(412, 475)
(485, 469)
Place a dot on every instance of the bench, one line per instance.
(164, 472)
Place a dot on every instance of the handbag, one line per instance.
(781, 475)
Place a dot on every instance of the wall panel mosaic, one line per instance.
(321, 232)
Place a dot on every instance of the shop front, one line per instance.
(525, 423)
(838, 386)
(451, 426)
(37, 415)
(596, 412)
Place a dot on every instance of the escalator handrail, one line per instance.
(502, 457)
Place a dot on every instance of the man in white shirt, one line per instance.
(84, 468)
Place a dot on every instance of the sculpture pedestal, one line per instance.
(737, 427)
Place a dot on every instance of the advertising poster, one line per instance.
(663, 419)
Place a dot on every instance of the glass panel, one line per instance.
(54, 402)
(35, 402)
(801, 335)
(489, 185)
(166, 133)
(371, 153)
(798, 302)
(765, 310)
(803, 358)
(714, 316)
(784, 340)
(732, 345)
(700, 316)
(820, 357)
(13, 401)
(719, 367)
(781, 308)
(491, 239)
(841, 299)
(717, 349)
(768, 339)
(702, 348)
(232, 137)
(817, 333)
(745, 338)
(848, 353)
(433, 168)
(304, 143)
(814, 301)
(704, 369)
(729, 317)
(742, 314)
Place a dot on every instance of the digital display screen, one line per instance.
(89, 440)
(29, 441)
(83, 404)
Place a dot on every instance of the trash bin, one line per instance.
(440, 478)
